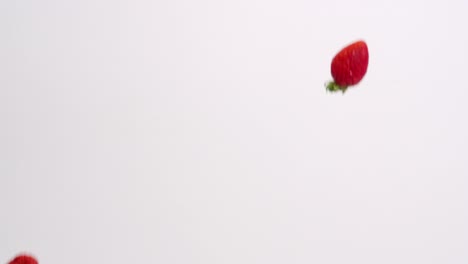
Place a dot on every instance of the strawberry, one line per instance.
(23, 259)
(349, 66)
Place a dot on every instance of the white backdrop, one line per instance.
(200, 132)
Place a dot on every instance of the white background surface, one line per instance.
(201, 132)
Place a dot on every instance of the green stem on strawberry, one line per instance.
(333, 87)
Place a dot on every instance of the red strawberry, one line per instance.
(349, 66)
(23, 259)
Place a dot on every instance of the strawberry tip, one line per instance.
(333, 87)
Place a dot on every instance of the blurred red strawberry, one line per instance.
(349, 66)
(23, 259)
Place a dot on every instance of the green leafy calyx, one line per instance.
(333, 87)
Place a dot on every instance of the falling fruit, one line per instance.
(349, 66)
(23, 259)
